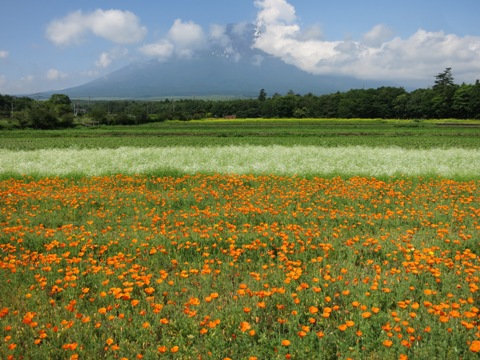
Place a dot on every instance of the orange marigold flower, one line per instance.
(387, 343)
(174, 349)
(342, 327)
(285, 342)
(162, 349)
(244, 326)
(366, 314)
(475, 346)
(312, 309)
(71, 346)
(443, 319)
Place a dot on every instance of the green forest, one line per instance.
(443, 100)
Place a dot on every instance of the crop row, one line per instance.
(301, 160)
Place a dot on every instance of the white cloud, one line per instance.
(54, 74)
(161, 50)
(3, 54)
(218, 35)
(240, 28)
(377, 55)
(187, 37)
(275, 11)
(313, 32)
(183, 39)
(106, 58)
(377, 35)
(122, 27)
(3, 80)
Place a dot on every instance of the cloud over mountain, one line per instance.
(377, 55)
(121, 27)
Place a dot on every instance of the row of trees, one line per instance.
(444, 99)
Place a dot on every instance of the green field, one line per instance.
(272, 239)
(324, 133)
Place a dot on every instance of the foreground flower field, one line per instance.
(239, 266)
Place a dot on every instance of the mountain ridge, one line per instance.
(235, 69)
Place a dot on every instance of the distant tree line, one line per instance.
(25, 112)
(444, 99)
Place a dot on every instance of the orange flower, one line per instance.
(244, 326)
(162, 349)
(387, 343)
(71, 346)
(109, 341)
(313, 309)
(366, 314)
(475, 346)
(149, 290)
(443, 319)
(342, 327)
(285, 342)
(174, 349)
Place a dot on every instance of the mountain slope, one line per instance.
(230, 70)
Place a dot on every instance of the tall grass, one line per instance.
(280, 160)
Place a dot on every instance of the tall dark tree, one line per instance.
(444, 90)
(262, 95)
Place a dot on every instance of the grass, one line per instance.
(267, 247)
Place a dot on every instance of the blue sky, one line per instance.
(55, 44)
